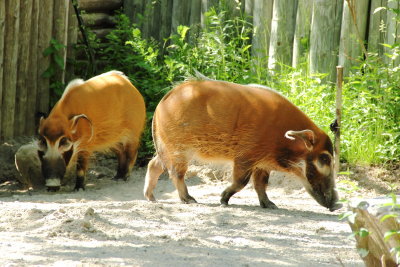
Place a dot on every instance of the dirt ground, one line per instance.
(110, 224)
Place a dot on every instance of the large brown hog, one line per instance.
(105, 113)
(254, 127)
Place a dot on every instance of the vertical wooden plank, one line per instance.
(180, 14)
(155, 20)
(351, 35)
(324, 39)
(134, 9)
(282, 33)
(302, 31)
(376, 37)
(10, 68)
(23, 67)
(206, 5)
(195, 18)
(45, 32)
(71, 42)
(60, 33)
(2, 34)
(147, 19)
(248, 10)
(393, 30)
(262, 18)
(32, 79)
(166, 19)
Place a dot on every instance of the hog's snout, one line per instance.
(53, 171)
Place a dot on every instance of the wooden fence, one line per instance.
(325, 32)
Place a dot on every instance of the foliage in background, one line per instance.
(221, 51)
(53, 51)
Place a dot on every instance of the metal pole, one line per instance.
(339, 83)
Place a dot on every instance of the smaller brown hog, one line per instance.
(105, 113)
(254, 127)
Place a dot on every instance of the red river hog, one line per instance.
(254, 127)
(103, 114)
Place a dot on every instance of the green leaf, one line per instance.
(59, 61)
(387, 216)
(363, 232)
(390, 233)
(48, 51)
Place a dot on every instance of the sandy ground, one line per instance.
(110, 224)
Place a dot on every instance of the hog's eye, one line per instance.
(64, 141)
(42, 142)
(325, 159)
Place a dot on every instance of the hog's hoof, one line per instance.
(188, 200)
(53, 188)
(268, 204)
(119, 178)
(336, 207)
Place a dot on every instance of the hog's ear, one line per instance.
(74, 123)
(307, 136)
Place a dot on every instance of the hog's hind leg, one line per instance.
(154, 170)
(241, 176)
(260, 182)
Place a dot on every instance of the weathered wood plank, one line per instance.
(23, 66)
(99, 5)
(324, 40)
(134, 10)
(376, 37)
(2, 34)
(302, 31)
(180, 14)
(354, 25)
(393, 31)
(206, 5)
(44, 33)
(262, 18)
(60, 33)
(32, 79)
(72, 41)
(10, 68)
(166, 19)
(195, 18)
(98, 20)
(282, 33)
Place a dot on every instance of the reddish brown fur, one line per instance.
(115, 112)
(220, 121)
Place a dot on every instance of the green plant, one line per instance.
(56, 64)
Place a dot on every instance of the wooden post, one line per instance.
(302, 31)
(23, 67)
(10, 68)
(339, 84)
(2, 34)
(45, 31)
(262, 17)
(32, 79)
(282, 33)
(354, 25)
(324, 37)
